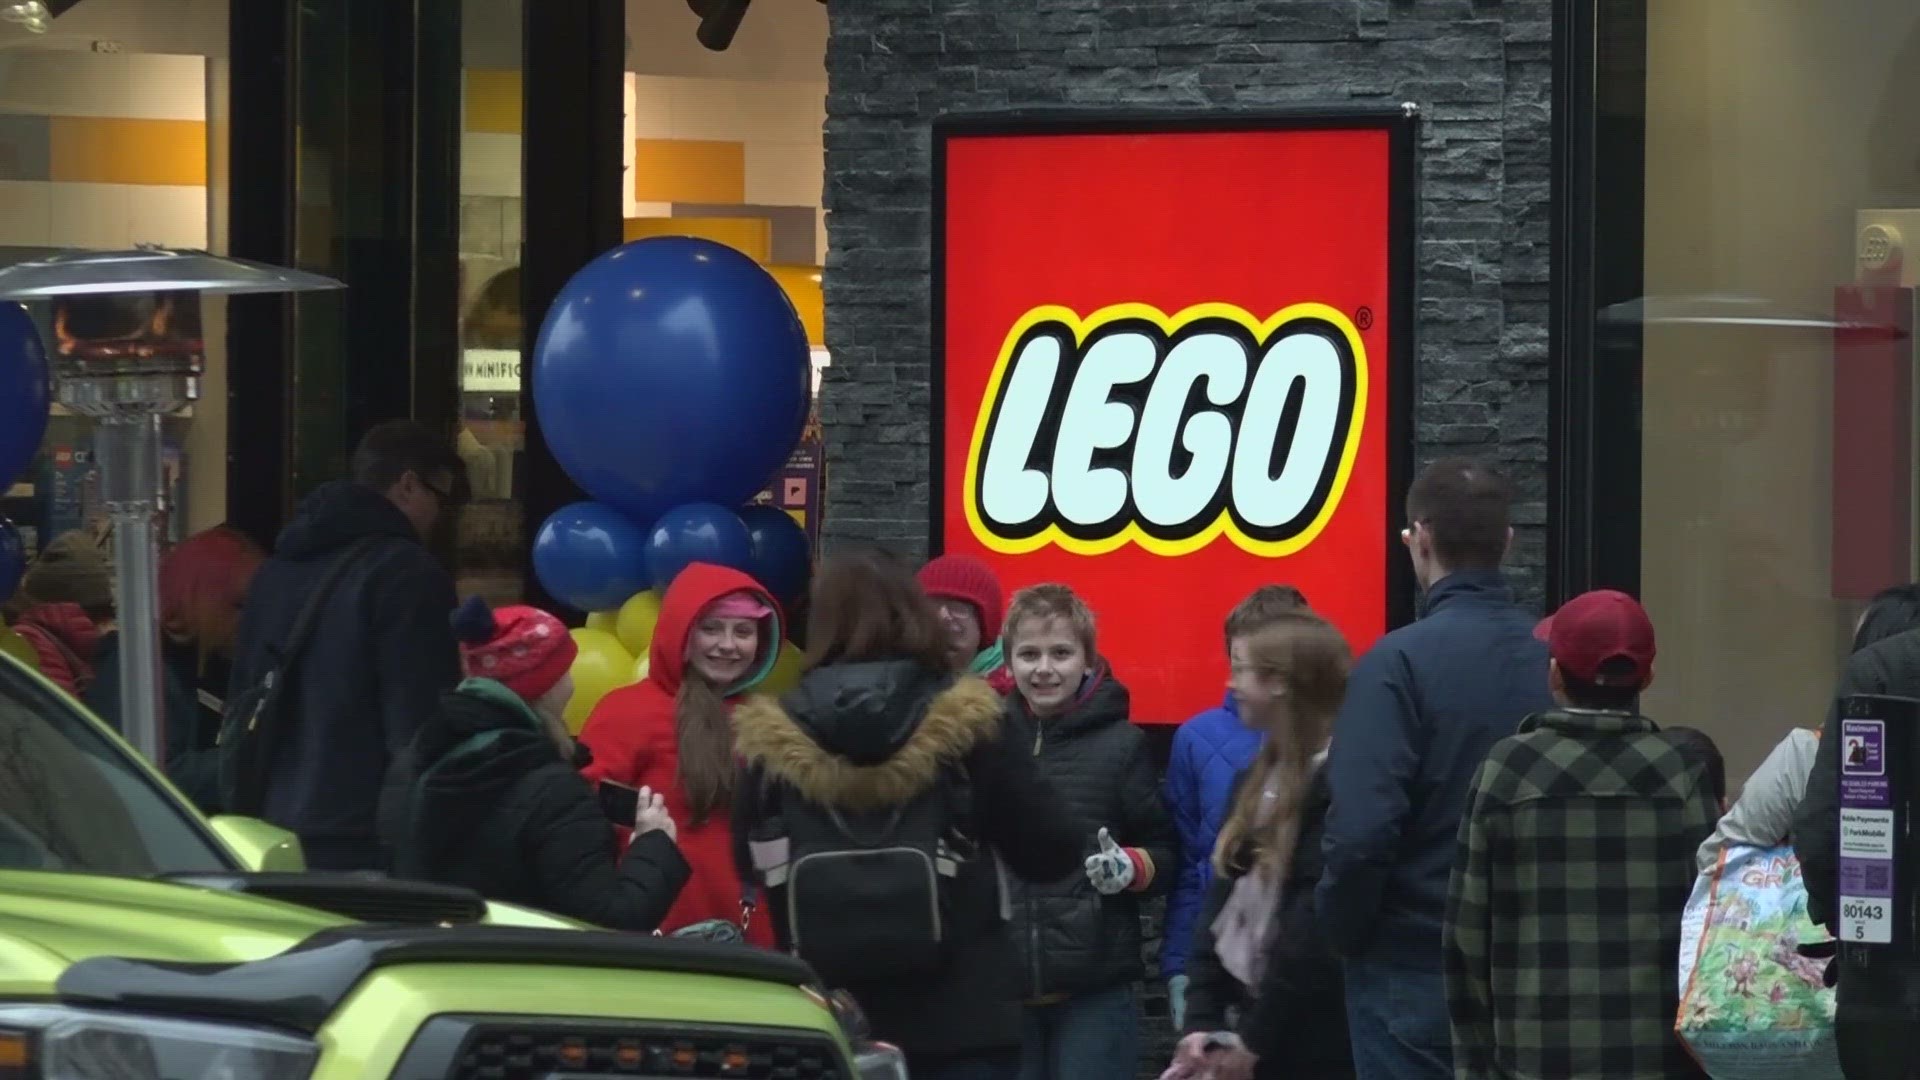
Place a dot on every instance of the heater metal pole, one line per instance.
(128, 449)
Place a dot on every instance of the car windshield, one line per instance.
(71, 799)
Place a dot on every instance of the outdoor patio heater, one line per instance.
(126, 386)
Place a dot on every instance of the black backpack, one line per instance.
(250, 728)
(869, 895)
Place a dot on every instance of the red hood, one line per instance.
(697, 586)
(67, 622)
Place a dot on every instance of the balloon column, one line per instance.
(672, 378)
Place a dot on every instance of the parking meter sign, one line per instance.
(1873, 732)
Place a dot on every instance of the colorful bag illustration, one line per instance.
(1751, 1007)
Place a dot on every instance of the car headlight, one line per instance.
(55, 1043)
(878, 1061)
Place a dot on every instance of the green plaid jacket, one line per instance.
(1563, 924)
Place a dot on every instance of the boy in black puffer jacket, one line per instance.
(1080, 936)
(500, 807)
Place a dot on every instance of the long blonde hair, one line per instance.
(1307, 656)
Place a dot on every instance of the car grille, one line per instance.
(489, 1049)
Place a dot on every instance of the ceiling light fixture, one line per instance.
(30, 14)
(719, 20)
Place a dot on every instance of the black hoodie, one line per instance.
(381, 655)
(497, 810)
(878, 734)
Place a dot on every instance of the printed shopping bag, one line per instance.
(1751, 1007)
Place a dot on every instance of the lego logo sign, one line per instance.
(1210, 422)
(1170, 367)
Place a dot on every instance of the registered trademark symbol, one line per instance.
(1363, 318)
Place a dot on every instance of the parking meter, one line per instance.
(1879, 928)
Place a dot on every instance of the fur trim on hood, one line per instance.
(957, 719)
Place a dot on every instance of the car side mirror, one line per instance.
(261, 848)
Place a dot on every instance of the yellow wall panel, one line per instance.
(750, 236)
(803, 288)
(689, 171)
(102, 150)
(493, 102)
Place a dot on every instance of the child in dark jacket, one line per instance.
(1265, 988)
(1080, 936)
(500, 807)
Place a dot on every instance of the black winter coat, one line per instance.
(381, 655)
(1297, 1023)
(191, 697)
(879, 734)
(1072, 939)
(1889, 666)
(497, 810)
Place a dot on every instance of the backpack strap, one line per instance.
(289, 653)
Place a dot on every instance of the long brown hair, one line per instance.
(867, 605)
(704, 732)
(1308, 657)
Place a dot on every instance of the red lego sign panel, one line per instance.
(1172, 361)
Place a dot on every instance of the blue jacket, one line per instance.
(1423, 708)
(1208, 752)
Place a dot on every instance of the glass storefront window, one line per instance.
(112, 134)
(491, 548)
(1782, 151)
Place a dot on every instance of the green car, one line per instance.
(139, 939)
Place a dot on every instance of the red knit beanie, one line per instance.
(958, 577)
(522, 648)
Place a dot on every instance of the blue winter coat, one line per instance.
(1423, 707)
(1208, 752)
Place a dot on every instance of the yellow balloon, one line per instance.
(606, 621)
(636, 619)
(18, 647)
(601, 666)
(786, 670)
(641, 667)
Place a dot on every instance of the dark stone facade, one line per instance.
(1478, 69)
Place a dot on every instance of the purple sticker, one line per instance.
(1868, 792)
(1863, 745)
(1864, 878)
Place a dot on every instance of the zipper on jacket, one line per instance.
(1033, 906)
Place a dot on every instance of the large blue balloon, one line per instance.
(671, 370)
(696, 532)
(782, 557)
(13, 559)
(589, 556)
(23, 391)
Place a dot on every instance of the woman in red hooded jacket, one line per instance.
(718, 635)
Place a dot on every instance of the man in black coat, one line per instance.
(381, 651)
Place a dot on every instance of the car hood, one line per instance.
(51, 920)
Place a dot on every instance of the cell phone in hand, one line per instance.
(620, 803)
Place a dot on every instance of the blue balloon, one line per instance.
(589, 556)
(13, 559)
(671, 370)
(23, 391)
(782, 558)
(696, 532)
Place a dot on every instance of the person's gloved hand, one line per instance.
(1177, 1001)
(1115, 869)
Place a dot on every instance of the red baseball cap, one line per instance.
(1596, 630)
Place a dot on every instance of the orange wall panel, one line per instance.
(109, 150)
(689, 171)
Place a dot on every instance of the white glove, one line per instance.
(1111, 871)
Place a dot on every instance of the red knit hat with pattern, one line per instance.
(523, 648)
(958, 577)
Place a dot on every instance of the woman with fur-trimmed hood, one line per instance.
(877, 722)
